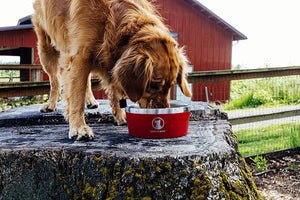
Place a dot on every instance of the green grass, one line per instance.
(265, 139)
(265, 92)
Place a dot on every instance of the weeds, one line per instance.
(293, 167)
(260, 163)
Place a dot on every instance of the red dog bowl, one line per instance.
(158, 123)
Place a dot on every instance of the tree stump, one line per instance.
(38, 161)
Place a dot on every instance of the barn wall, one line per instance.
(18, 38)
(208, 46)
(25, 40)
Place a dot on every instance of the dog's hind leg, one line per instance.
(49, 58)
(90, 100)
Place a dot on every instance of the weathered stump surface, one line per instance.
(38, 161)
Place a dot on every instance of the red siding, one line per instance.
(207, 45)
(196, 32)
(18, 38)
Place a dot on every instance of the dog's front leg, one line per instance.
(75, 83)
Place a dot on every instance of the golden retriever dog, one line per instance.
(124, 42)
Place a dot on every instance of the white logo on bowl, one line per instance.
(158, 123)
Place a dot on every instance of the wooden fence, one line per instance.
(34, 71)
(16, 89)
(229, 75)
(29, 88)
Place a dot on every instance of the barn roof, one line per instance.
(25, 20)
(23, 23)
(18, 27)
(237, 35)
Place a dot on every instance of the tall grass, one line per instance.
(252, 93)
(269, 138)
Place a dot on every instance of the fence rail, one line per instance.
(250, 117)
(26, 88)
(32, 69)
(228, 75)
(16, 89)
(19, 89)
(18, 67)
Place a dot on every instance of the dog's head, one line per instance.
(148, 69)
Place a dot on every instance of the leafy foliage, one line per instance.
(260, 163)
(263, 92)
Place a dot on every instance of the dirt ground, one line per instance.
(281, 181)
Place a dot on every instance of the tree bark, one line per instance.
(40, 162)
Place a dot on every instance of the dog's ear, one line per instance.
(132, 72)
(181, 81)
(177, 56)
(181, 78)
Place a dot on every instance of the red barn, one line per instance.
(21, 41)
(207, 39)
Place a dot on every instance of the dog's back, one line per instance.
(52, 18)
(71, 24)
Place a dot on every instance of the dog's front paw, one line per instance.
(49, 107)
(120, 117)
(81, 133)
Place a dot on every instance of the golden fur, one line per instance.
(123, 41)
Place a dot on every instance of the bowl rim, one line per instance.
(174, 108)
